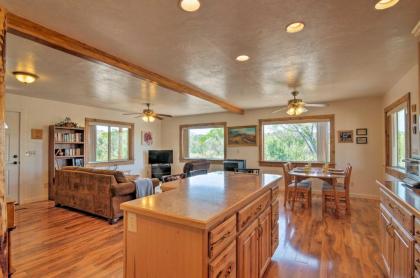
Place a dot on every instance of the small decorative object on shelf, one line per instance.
(67, 123)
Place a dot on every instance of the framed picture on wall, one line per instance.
(361, 140)
(239, 136)
(361, 131)
(345, 136)
(146, 138)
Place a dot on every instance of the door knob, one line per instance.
(15, 162)
(15, 156)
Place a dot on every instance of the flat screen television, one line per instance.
(160, 157)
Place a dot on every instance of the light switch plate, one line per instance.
(132, 222)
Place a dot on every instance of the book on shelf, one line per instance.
(68, 137)
(68, 152)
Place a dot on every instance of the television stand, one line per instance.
(160, 170)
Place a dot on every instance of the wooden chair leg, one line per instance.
(286, 193)
(348, 205)
(323, 203)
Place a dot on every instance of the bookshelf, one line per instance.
(66, 147)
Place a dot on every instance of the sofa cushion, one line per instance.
(119, 176)
(121, 189)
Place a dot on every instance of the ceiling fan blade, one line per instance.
(281, 109)
(164, 115)
(316, 104)
(159, 118)
(131, 113)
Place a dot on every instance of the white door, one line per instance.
(12, 152)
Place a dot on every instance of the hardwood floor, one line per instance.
(58, 242)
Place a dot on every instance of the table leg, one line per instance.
(333, 183)
(294, 194)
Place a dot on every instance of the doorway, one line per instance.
(12, 155)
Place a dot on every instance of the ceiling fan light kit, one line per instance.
(296, 106)
(148, 115)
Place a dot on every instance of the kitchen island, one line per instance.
(222, 224)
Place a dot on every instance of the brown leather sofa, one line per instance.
(95, 191)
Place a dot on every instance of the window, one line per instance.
(109, 142)
(299, 139)
(203, 141)
(398, 132)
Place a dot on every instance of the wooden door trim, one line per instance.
(28, 29)
(404, 99)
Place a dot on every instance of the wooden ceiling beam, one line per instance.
(28, 29)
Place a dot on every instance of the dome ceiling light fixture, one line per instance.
(25, 77)
(189, 5)
(386, 4)
(242, 58)
(295, 27)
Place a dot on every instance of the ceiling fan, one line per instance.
(148, 115)
(296, 106)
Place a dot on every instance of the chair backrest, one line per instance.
(196, 165)
(347, 177)
(197, 172)
(287, 167)
(247, 170)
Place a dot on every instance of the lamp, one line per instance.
(148, 119)
(25, 77)
(295, 109)
(189, 5)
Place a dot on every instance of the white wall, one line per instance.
(367, 160)
(40, 113)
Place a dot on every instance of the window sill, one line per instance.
(295, 163)
(396, 172)
(110, 163)
(212, 161)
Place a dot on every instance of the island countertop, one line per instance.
(409, 197)
(201, 201)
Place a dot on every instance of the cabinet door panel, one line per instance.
(403, 253)
(387, 242)
(264, 240)
(248, 252)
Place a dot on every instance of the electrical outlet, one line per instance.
(132, 222)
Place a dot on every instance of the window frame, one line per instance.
(130, 160)
(404, 101)
(329, 117)
(182, 150)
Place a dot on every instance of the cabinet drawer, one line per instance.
(224, 265)
(417, 230)
(274, 193)
(275, 212)
(221, 236)
(404, 217)
(274, 238)
(247, 214)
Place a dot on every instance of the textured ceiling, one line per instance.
(347, 49)
(64, 77)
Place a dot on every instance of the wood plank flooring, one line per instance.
(58, 242)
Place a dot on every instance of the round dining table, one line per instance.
(330, 176)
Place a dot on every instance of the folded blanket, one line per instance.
(144, 187)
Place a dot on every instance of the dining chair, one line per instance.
(303, 190)
(342, 192)
(194, 173)
(254, 171)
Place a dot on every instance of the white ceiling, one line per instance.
(348, 49)
(64, 77)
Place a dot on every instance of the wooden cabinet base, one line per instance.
(236, 243)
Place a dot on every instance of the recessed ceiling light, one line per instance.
(385, 4)
(242, 58)
(25, 77)
(189, 5)
(295, 27)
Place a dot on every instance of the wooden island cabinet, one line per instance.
(400, 229)
(222, 224)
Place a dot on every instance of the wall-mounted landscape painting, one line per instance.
(239, 136)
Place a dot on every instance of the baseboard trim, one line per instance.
(33, 200)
